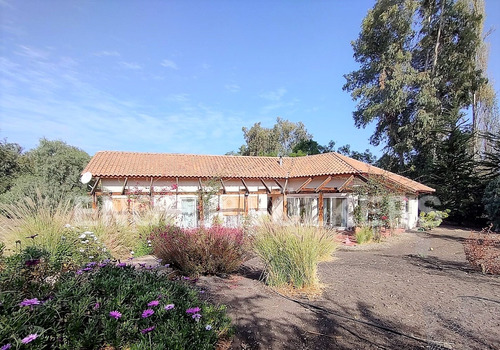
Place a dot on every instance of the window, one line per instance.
(189, 217)
(302, 208)
(335, 212)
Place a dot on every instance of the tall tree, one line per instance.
(9, 164)
(485, 112)
(417, 74)
(278, 140)
(53, 168)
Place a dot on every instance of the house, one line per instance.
(228, 189)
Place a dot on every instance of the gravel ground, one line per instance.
(415, 291)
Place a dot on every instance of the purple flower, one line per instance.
(196, 317)
(29, 338)
(29, 302)
(193, 310)
(96, 306)
(167, 265)
(186, 278)
(202, 291)
(91, 264)
(115, 314)
(154, 303)
(102, 264)
(169, 307)
(208, 327)
(147, 313)
(121, 265)
(147, 330)
(79, 272)
(6, 347)
(87, 269)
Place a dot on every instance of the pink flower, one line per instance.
(115, 314)
(29, 302)
(154, 303)
(169, 307)
(147, 330)
(29, 338)
(193, 310)
(196, 317)
(6, 347)
(146, 313)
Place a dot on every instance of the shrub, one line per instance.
(432, 219)
(211, 250)
(482, 251)
(364, 235)
(291, 254)
(106, 306)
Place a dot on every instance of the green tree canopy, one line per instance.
(278, 140)
(417, 73)
(53, 168)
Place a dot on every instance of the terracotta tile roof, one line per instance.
(134, 164)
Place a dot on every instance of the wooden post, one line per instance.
(320, 209)
(285, 207)
(246, 203)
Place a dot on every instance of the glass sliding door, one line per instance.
(303, 209)
(335, 212)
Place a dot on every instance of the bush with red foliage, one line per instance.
(482, 250)
(203, 250)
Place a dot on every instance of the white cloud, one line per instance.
(179, 98)
(169, 64)
(232, 87)
(130, 65)
(57, 102)
(32, 53)
(106, 53)
(275, 95)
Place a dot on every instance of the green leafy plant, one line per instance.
(202, 250)
(432, 219)
(291, 254)
(103, 305)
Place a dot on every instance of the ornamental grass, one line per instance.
(291, 254)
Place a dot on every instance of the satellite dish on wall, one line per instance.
(86, 177)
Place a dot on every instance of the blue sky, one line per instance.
(180, 76)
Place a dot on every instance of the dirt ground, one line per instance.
(414, 292)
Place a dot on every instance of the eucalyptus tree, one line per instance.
(417, 75)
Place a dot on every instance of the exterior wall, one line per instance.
(180, 198)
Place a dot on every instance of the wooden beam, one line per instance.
(279, 185)
(327, 180)
(268, 190)
(223, 186)
(245, 184)
(92, 190)
(320, 210)
(200, 184)
(347, 182)
(151, 186)
(286, 184)
(304, 185)
(124, 185)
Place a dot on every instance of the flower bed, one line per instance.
(103, 305)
